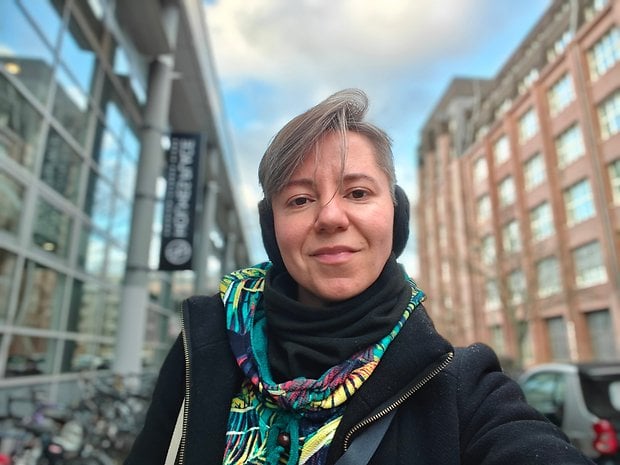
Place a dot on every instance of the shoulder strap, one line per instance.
(365, 444)
(175, 441)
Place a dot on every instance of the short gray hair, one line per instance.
(341, 112)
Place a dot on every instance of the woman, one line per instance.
(329, 341)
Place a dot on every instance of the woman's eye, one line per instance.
(358, 194)
(299, 201)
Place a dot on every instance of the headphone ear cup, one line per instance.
(268, 233)
(401, 221)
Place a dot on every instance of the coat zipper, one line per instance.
(367, 421)
(187, 378)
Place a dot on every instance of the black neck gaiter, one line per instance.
(305, 341)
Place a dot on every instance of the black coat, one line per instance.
(458, 407)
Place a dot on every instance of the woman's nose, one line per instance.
(332, 216)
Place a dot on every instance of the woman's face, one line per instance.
(334, 227)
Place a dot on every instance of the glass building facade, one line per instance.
(73, 91)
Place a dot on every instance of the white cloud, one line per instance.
(276, 58)
(321, 40)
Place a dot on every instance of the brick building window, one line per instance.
(541, 221)
(609, 116)
(528, 125)
(569, 146)
(497, 339)
(589, 265)
(481, 169)
(511, 238)
(516, 287)
(501, 150)
(561, 94)
(558, 338)
(548, 277)
(605, 53)
(507, 192)
(483, 208)
(534, 171)
(600, 329)
(579, 202)
(614, 179)
(487, 250)
(492, 300)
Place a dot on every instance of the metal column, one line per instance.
(134, 298)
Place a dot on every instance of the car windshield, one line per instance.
(601, 394)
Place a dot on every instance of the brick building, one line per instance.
(519, 209)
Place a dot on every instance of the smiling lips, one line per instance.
(333, 255)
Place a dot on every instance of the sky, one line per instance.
(277, 58)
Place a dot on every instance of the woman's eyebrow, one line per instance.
(353, 177)
(299, 182)
(347, 178)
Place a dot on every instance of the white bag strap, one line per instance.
(175, 441)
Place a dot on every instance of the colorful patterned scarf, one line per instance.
(307, 411)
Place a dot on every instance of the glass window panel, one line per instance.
(579, 203)
(84, 314)
(40, 297)
(11, 203)
(121, 221)
(501, 150)
(23, 52)
(85, 356)
(99, 201)
(528, 125)
(126, 179)
(589, 265)
(7, 271)
(605, 53)
(92, 252)
(569, 146)
(600, 329)
(511, 237)
(481, 169)
(561, 94)
(483, 208)
(116, 265)
(122, 67)
(507, 191)
(110, 313)
(558, 338)
(131, 144)
(614, 178)
(541, 221)
(548, 276)
(609, 116)
(107, 153)
(46, 16)
(77, 54)
(488, 250)
(52, 229)
(61, 166)
(516, 287)
(492, 300)
(497, 339)
(114, 118)
(30, 355)
(534, 171)
(20, 122)
(71, 106)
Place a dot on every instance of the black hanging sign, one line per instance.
(177, 235)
